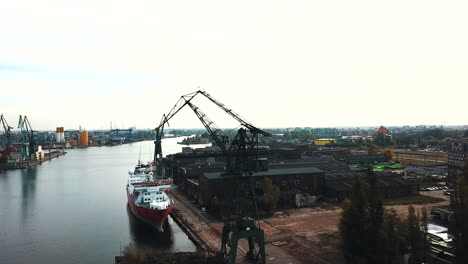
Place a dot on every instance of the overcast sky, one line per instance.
(276, 63)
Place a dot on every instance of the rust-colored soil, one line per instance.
(305, 235)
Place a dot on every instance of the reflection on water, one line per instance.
(28, 193)
(145, 236)
(74, 209)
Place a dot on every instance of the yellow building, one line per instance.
(324, 141)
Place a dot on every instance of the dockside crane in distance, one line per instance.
(241, 162)
(7, 129)
(28, 144)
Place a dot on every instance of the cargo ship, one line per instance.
(148, 196)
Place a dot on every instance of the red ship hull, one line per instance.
(153, 217)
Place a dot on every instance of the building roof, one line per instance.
(439, 231)
(326, 165)
(270, 172)
(382, 130)
(340, 180)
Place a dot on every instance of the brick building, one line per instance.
(339, 185)
(217, 185)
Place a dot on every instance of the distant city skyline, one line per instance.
(277, 64)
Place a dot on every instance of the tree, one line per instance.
(389, 153)
(415, 236)
(369, 233)
(393, 242)
(374, 199)
(271, 194)
(424, 222)
(371, 149)
(380, 139)
(438, 133)
(353, 225)
(376, 216)
(459, 202)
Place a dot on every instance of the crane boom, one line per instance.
(239, 152)
(7, 128)
(248, 125)
(8, 149)
(27, 138)
(215, 133)
(183, 100)
(181, 103)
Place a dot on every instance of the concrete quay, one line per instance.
(206, 231)
(47, 157)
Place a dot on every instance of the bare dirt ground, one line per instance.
(402, 210)
(309, 234)
(305, 235)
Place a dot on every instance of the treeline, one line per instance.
(371, 234)
(314, 133)
(459, 224)
(433, 137)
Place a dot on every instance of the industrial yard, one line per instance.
(297, 181)
(304, 235)
(216, 132)
(283, 190)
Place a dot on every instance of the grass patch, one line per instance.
(412, 199)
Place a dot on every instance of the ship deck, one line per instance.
(147, 205)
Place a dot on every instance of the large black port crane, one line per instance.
(242, 161)
(28, 144)
(7, 130)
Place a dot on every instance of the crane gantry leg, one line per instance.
(245, 228)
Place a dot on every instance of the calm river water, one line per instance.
(74, 209)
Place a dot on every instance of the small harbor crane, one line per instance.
(241, 162)
(8, 149)
(27, 139)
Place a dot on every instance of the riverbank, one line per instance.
(197, 225)
(47, 157)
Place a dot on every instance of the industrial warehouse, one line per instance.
(325, 180)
